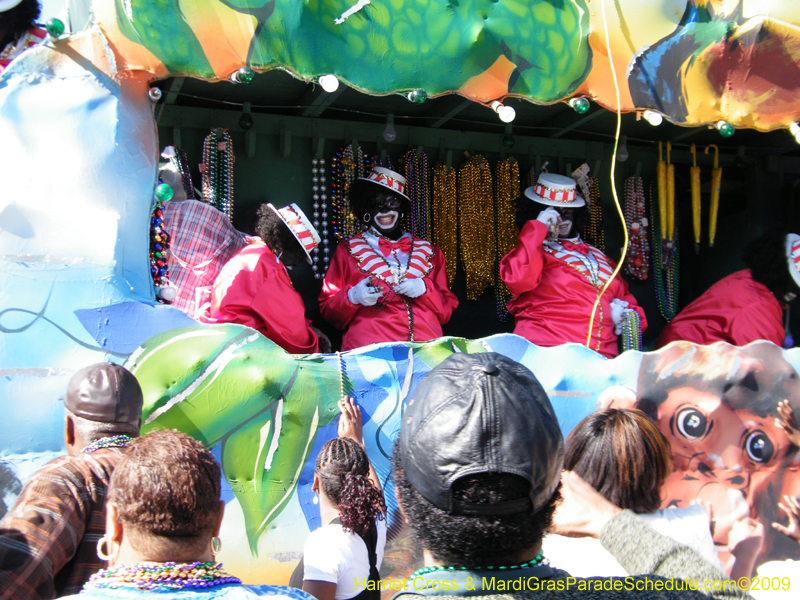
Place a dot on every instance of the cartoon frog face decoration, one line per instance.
(717, 407)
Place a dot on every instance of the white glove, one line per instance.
(413, 288)
(617, 308)
(364, 294)
(549, 216)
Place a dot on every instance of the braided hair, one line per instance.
(343, 470)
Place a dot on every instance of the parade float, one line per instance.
(80, 156)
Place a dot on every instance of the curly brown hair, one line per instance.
(343, 470)
(167, 491)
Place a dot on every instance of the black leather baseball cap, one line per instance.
(476, 414)
(104, 392)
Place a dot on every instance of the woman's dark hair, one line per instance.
(167, 486)
(18, 20)
(766, 258)
(276, 234)
(364, 195)
(623, 455)
(528, 210)
(476, 541)
(343, 470)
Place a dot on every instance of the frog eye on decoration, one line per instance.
(692, 424)
(759, 447)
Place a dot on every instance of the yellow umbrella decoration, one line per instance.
(670, 196)
(716, 180)
(694, 173)
(661, 172)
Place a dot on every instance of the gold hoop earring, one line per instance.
(216, 545)
(101, 554)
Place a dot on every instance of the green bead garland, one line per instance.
(535, 562)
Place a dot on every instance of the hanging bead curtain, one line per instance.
(217, 170)
(476, 224)
(505, 228)
(445, 217)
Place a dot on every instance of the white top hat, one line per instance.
(389, 179)
(300, 226)
(793, 255)
(8, 4)
(555, 190)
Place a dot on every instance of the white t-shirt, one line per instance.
(335, 556)
(586, 557)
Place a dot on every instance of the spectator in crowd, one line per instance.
(164, 516)
(48, 540)
(478, 470)
(254, 288)
(350, 546)
(623, 455)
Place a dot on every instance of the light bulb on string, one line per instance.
(508, 138)
(417, 96)
(725, 129)
(389, 133)
(622, 149)
(54, 28)
(655, 119)
(506, 113)
(246, 120)
(329, 83)
(794, 128)
(243, 75)
(579, 105)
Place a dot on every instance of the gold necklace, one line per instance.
(445, 217)
(476, 222)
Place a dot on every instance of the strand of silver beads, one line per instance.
(320, 197)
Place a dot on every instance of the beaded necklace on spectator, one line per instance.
(162, 577)
(115, 441)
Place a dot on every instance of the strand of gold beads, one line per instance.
(445, 217)
(506, 233)
(476, 224)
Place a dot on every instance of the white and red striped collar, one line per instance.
(595, 267)
(370, 260)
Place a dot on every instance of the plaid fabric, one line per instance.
(48, 542)
(202, 240)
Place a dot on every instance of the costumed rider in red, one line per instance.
(385, 285)
(555, 277)
(18, 30)
(254, 288)
(747, 305)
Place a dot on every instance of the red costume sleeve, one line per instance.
(438, 297)
(758, 322)
(261, 296)
(521, 269)
(334, 305)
